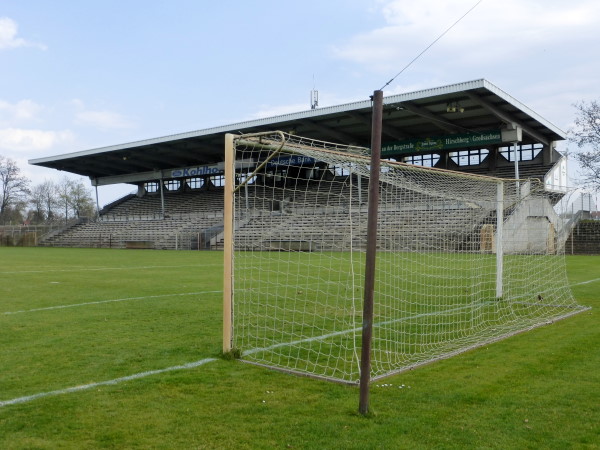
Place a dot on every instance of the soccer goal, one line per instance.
(462, 260)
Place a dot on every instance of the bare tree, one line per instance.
(14, 188)
(36, 200)
(586, 134)
(43, 199)
(74, 199)
(50, 199)
(63, 189)
(81, 200)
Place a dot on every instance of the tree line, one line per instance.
(23, 202)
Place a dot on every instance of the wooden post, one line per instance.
(228, 242)
(367, 331)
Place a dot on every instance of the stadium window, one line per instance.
(242, 177)
(386, 169)
(172, 185)
(469, 157)
(217, 180)
(340, 171)
(428, 160)
(280, 175)
(311, 173)
(151, 186)
(195, 183)
(525, 152)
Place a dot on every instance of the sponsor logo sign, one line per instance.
(438, 143)
(291, 160)
(197, 171)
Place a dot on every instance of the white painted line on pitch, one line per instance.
(83, 269)
(586, 282)
(375, 325)
(85, 387)
(358, 329)
(48, 308)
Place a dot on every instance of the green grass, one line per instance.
(535, 390)
(304, 309)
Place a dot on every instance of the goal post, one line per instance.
(499, 237)
(462, 260)
(228, 240)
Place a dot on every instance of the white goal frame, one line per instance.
(522, 286)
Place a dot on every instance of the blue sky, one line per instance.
(77, 75)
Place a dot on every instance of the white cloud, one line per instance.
(101, 119)
(18, 140)
(8, 36)
(23, 110)
(104, 119)
(494, 31)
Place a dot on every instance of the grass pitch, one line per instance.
(77, 324)
(302, 311)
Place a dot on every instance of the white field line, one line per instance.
(585, 282)
(98, 302)
(69, 390)
(191, 365)
(85, 387)
(83, 269)
(358, 329)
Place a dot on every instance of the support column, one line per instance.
(162, 197)
(97, 203)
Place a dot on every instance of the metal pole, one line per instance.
(162, 198)
(246, 194)
(359, 190)
(516, 167)
(97, 203)
(499, 240)
(367, 331)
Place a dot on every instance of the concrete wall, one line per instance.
(531, 228)
(584, 239)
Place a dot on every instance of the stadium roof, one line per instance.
(480, 106)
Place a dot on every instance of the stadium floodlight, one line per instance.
(462, 260)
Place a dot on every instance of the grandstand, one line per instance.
(473, 127)
(139, 222)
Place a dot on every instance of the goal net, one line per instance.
(462, 260)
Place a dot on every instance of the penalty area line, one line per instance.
(99, 302)
(85, 387)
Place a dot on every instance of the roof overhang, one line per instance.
(481, 106)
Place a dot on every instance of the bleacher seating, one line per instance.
(325, 221)
(176, 204)
(138, 222)
(526, 171)
(194, 219)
